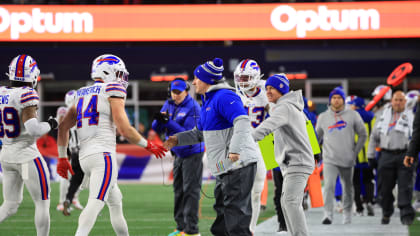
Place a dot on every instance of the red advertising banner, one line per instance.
(210, 22)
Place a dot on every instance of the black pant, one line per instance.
(367, 177)
(233, 202)
(391, 170)
(76, 179)
(278, 184)
(187, 185)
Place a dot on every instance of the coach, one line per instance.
(231, 151)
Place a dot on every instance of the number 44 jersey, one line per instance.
(95, 127)
(18, 145)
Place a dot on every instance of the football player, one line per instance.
(20, 158)
(69, 190)
(251, 89)
(100, 109)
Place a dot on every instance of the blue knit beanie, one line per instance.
(338, 91)
(279, 82)
(210, 72)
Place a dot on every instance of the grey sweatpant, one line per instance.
(330, 177)
(291, 203)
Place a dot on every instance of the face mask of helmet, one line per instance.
(247, 75)
(24, 68)
(110, 68)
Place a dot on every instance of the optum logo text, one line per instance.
(41, 22)
(286, 18)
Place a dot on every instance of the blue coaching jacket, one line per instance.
(221, 107)
(182, 117)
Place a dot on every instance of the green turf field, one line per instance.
(147, 209)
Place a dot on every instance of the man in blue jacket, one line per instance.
(231, 150)
(178, 114)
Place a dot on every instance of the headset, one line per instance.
(195, 115)
(180, 79)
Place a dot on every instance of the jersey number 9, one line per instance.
(10, 117)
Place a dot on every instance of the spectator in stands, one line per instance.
(392, 133)
(336, 130)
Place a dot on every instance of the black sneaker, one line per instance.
(326, 221)
(370, 210)
(282, 228)
(66, 210)
(407, 220)
(385, 220)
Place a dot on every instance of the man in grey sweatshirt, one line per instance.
(292, 148)
(336, 128)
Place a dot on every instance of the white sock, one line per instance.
(42, 217)
(88, 216)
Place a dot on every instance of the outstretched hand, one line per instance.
(171, 142)
(63, 167)
(156, 149)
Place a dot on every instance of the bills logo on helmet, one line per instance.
(254, 66)
(246, 75)
(110, 60)
(32, 66)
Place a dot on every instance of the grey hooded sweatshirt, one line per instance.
(287, 122)
(336, 131)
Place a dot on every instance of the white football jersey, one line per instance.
(18, 145)
(73, 139)
(255, 103)
(95, 127)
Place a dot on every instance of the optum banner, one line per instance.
(210, 22)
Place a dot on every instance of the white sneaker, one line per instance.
(416, 206)
(60, 207)
(77, 204)
(338, 207)
(346, 218)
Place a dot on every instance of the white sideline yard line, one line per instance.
(361, 225)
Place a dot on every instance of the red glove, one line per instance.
(156, 149)
(63, 167)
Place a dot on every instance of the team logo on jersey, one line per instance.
(110, 60)
(338, 126)
(181, 114)
(208, 108)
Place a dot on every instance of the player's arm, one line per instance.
(33, 126)
(120, 119)
(69, 120)
(66, 123)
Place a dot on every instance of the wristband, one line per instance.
(142, 142)
(62, 151)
